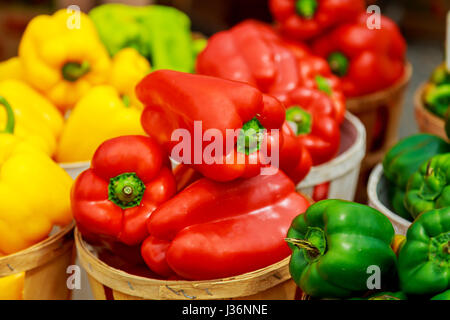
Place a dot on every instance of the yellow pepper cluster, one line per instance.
(60, 98)
(64, 71)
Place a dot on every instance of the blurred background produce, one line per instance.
(422, 22)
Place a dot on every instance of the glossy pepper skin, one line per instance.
(160, 33)
(312, 116)
(424, 259)
(101, 114)
(366, 60)
(176, 100)
(213, 230)
(334, 242)
(129, 177)
(37, 120)
(305, 19)
(404, 159)
(253, 52)
(427, 187)
(62, 62)
(34, 191)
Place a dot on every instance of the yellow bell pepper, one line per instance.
(128, 68)
(397, 243)
(11, 287)
(37, 120)
(34, 191)
(61, 59)
(11, 69)
(100, 115)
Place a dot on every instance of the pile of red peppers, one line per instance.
(220, 217)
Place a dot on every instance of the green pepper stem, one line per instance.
(303, 244)
(250, 137)
(338, 63)
(126, 100)
(306, 8)
(301, 118)
(72, 71)
(126, 190)
(10, 119)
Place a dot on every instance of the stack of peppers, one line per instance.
(208, 219)
(366, 51)
(336, 244)
(254, 53)
(87, 66)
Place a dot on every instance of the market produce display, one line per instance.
(334, 242)
(193, 155)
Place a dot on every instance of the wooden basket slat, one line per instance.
(45, 266)
(272, 281)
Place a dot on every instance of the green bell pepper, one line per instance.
(442, 296)
(405, 158)
(424, 259)
(440, 75)
(437, 99)
(161, 34)
(428, 188)
(334, 242)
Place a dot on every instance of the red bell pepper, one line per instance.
(305, 19)
(295, 159)
(315, 73)
(366, 60)
(312, 114)
(251, 52)
(129, 177)
(214, 230)
(176, 100)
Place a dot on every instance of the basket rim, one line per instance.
(179, 289)
(374, 179)
(344, 162)
(39, 253)
(73, 165)
(385, 93)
